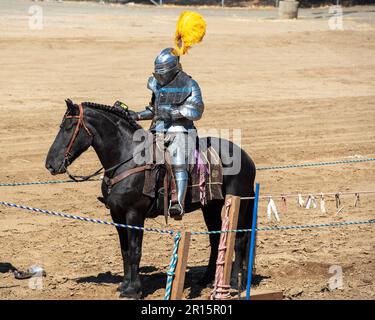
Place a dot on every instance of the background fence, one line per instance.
(241, 3)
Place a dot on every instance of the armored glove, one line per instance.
(169, 113)
(132, 114)
(120, 104)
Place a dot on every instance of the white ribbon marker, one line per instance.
(311, 201)
(322, 204)
(271, 208)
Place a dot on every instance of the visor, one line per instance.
(161, 78)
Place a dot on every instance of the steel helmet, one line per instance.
(167, 65)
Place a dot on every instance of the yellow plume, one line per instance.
(190, 30)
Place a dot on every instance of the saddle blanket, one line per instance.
(205, 178)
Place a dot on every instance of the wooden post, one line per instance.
(231, 238)
(179, 279)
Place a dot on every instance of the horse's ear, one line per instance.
(70, 105)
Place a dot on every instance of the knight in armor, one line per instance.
(175, 104)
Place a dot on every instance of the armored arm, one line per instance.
(193, 106)
(143, 115)
(175, 113)
(146, 114)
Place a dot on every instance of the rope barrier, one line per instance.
(70, 216)
(317, 194)
(279, 167)
(305, 226)
(16, 184)
(171, 232)
(172, 267)
(220, 290)
(315, 164)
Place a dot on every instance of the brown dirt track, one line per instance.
(299, 92)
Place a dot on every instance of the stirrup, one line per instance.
(175, 211)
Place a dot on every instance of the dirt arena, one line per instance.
(299, 92)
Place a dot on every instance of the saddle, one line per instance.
(205, 181)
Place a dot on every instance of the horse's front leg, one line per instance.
(122, 232)
(131, 287)
(117, 217)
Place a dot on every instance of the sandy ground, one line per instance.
(299, 92)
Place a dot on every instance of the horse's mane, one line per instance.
(120, 112)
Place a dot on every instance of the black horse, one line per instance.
(109, 130)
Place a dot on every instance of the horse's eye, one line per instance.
(67, 125)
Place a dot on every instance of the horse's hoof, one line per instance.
(176, 211)
(122, 286)
(130, 295)
(127, 298)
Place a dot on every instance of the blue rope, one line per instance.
(15, 184)
(280, 167)
(172, 267)
(70, 216)
(315, 164)
(65, 215)
(305, 226)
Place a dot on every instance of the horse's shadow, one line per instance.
(102, 278)
(7, 267)
(196, 273)
(154, 279)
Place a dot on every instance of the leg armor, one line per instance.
(180, 149)
(181, 176)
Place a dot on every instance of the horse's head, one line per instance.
(73, 138)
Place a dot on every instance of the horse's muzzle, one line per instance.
(51, 169)
(55, 171)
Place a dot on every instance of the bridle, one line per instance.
(66, 162)
(80, 122)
